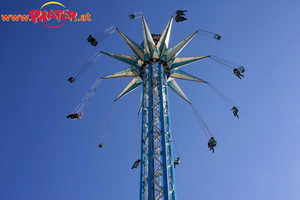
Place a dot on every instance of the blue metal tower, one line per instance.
(155, 66)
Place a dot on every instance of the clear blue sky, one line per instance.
(46, 156)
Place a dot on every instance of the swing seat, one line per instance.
(101, 145)
(177, 161)
(71, 79)
(180, 19)
(135, 15)
(217, 37)
(180, 12)
(136, 164)
(212, 142)
(90, 38)
(241, 69)
(131, 16)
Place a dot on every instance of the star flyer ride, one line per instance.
(155, 66)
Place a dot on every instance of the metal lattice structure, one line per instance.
(155, 67)
(157, 173)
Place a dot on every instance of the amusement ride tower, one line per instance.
(154, 66)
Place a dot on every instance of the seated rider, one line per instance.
(180, 18)
(211, 144)
(92, 40)
(94, 43)
(71, 80)
(217, 37)
(177, 162)
(235, 111)
(70, 116)
(242, 69)
(101, 145)
(180, 12)
(75, 116)
(237, 72)
(136, 164)
(131, 16)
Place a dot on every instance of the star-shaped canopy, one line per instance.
(150, 50)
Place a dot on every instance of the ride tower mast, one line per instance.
(155, 67)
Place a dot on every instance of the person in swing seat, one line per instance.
(211, 144)
(177, 162)
(75, 116)
(237, 72)
(136, 164)
(235, 111)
